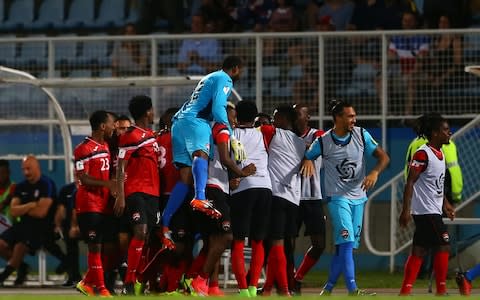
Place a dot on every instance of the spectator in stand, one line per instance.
(129, 58)
(7, 188)
(199, 56)
(170, 10)
(409, 51)
(446, 58)
(63, 225)
(32, 200)
(341, 12)
(283, 17)
(369, 15)
(248, 13)
(216, 14)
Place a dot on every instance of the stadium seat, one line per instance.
(50, 15)
(111, 14)
(65, 52)
(20, 15)
(82, 73)
(270, 79)
(133, 14)
(95, 52)
(8, 52)
(33, 54)
(81, 14)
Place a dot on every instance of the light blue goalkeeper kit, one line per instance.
(344, 165)
(191, 131)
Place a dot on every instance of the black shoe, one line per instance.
(297, 289)
(69, 284)
(128, 290)
(260, 291)
(22, 273)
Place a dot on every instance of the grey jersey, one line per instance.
(286, 151)
(427, 195)
(311, 189)
(344, 165)
(252, 140)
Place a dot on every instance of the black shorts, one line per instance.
(310, 213)
(430, 231)
(207, 225)
(143, 209)
(283, 219)
(33, 238)
(97, 228)
(250, 212)
(181, 223)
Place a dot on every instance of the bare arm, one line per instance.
(382, 162)
(59, 215)
(413, 175)
(41, 210)
(227, 161)
(17, 209)
(88, 180)
(120, 199)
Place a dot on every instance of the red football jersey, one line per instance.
(169, 174)
(140, 148)
(93, 159)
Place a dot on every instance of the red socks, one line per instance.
(307, 263)
(197, 264)
(412, 267)
(133, 260)
(440, 267)
(238, 264)
(94, 274)
(277, 269)
(256, 263)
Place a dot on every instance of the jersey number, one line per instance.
(162, 160)
(105, 164)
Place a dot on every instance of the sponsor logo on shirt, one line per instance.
(346, 170)
(445, 237)
(136, 216)
(226, 90)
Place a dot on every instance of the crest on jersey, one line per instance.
(226, 225)
(445, 237)
(79, 166)
(344, 233)
(136, 216)
(181, 233)
(439, 183)
(346, 170)
(226, 89)
(92, 234)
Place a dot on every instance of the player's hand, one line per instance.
(370, 180)
(167, 240)
(449, 210)
(405, 218)
(308, 168)
(238, 150)
(234, 183)
(249, 170)
(119, 205)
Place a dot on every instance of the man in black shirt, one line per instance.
(31, 201)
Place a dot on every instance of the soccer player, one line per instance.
(250, 201)
(169, 175)
(464, 280)
(311, 210)
(286, 150)
(191, 134)
(424, 199)
(138, 182)
(92, 167)
(343, 149)
(217, 234)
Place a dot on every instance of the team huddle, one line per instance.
(228, 176)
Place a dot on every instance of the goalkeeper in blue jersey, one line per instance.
(192, 136)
